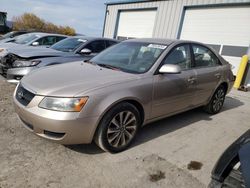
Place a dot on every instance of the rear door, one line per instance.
(208, 70)
(175, 92)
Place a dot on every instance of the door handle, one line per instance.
(217, 75)
(191, 80)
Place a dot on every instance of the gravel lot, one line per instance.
(158, 158)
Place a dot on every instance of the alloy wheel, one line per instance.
(121, 129)
(218, 100)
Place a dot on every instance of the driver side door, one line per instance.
(174, 92)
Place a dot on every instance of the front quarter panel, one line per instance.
(103, 99)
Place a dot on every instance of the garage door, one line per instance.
(227, 29)
(136, 24)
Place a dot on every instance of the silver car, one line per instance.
(20, 62)
(129, 85)
(33, 39)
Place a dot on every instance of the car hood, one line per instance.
(32, 52)
(73, 79)
(8, 45)
(2, 41)
(28, 52)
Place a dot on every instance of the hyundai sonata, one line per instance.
(108, 98)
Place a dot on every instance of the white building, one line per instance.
(224, 24)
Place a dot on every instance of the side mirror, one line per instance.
(35, 44)
(170, 69)
(85, 51)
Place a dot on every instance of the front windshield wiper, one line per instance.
(109, 66)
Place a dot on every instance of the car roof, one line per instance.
(41, 34)
(158, 40)
(88, 38)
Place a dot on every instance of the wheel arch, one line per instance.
(132, 101)
(225, 85)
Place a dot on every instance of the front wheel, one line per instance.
(118, 128)
(216, 102)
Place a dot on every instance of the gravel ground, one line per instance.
(160, 157)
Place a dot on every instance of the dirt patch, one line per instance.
(157, 176)
(194, 165)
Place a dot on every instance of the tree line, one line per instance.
(29, 21)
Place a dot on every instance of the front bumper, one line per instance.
(60, 127)
(14, 75)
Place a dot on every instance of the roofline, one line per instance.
(93, 38)
(129, 2)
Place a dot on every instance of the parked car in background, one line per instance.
(33, 39)
(133, 83)
(9, 37)
(233, 167)
(22, 61)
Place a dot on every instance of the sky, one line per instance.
(85, 16)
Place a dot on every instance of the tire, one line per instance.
(118, 128)
(216, 102)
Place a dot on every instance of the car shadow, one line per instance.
(85, 148)
(173, 123)
(163, 127)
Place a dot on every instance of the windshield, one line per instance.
(132, 57)
(69, 44)
(26, 38)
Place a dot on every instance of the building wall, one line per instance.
(168, 17)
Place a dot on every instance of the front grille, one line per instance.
(24, 96)
(6, 63)
(3, 70)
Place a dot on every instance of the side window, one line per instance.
(180, 56)
(110, 43)
(48, 41)
(96, 46)
(204, 57)
(59, 38)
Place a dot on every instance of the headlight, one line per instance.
(63, 104)
(23, 63)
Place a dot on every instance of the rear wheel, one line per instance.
(118, 128)
(216, 102)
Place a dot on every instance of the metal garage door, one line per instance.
(136, 24)
(227, 29)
